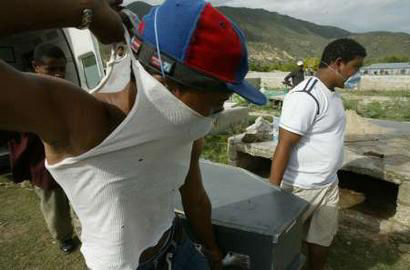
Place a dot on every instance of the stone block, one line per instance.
(402, 215)
(403, 197)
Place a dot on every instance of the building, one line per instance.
(387, 69)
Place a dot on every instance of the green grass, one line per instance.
(350, 104)
(403, 93)
(25, 242)
(396, 109)
(215, 148)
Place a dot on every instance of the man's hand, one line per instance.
(215, 258)
(28, 15)
(107, 24)
(287, 83)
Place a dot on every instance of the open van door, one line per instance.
(87, 57)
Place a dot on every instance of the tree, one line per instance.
(312, 62)
(396, 59)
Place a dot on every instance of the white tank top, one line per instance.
(124, 189)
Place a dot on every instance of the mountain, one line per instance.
(273, 37)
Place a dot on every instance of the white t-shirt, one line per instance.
(317, 114)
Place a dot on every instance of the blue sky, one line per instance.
(352, 15)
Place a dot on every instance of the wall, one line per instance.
(381, 83)
(268, 79)
(384, 82)
(232, 117)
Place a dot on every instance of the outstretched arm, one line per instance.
(197, 208)
(28, 15)
(288, 77)
(52, 108)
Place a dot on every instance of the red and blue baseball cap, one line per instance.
(199, 47)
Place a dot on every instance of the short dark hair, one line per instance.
(47, 50)
(345, 48)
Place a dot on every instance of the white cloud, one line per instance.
(352, 15)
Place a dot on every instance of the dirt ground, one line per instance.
(26, 244)
(359, 244)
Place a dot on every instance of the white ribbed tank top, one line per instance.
(124, 189)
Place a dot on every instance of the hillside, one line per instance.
(279, 38)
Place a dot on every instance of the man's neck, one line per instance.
(326, 77)
(124, 99)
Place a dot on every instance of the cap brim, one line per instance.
(248, 91)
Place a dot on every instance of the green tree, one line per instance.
(396, 59)
(312, 62)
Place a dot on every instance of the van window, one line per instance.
(91, 73)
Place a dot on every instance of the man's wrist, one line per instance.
(214, 256)
(106, 24)
(87, 18)
(275, 181)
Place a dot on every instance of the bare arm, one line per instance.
(287, 140)
(197, 208)
(28, 15)
(56, 110)
(289, 76)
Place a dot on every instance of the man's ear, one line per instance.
(338, 61)
(170, 85)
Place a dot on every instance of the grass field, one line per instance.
(386, 93)
(24, 240)
(396, 107)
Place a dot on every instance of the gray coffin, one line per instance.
(254, 218)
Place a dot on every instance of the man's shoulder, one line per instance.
(311, 92)
(308, 84)
(312, 86)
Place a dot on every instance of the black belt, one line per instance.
(173, 236)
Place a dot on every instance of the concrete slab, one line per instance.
(361, 157)
(232, 117)
(395, 127)
(393, 167)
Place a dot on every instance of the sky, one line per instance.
(351, 15)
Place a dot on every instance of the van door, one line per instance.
(87, 57)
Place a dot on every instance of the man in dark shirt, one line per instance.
(27, 158)
(297, 75)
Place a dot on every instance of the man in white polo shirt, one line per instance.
(310, 148)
